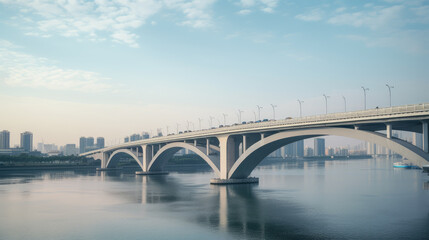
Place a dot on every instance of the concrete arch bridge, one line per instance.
(234, 151)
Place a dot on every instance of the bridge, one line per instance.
(234, 151)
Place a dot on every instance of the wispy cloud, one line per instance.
(23, 70)
(267, 6)
(312, 16)
(373, 19)
(97, 20)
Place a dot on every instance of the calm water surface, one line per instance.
(355, 199)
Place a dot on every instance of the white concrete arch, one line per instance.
(127, 151)
(258, 151)
(167, 152)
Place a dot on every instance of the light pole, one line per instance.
(211, 121)
(167, 130)
(364, 96)
(300, 107)
(345, 104)
(239, 115)
(187, 125)
(390, 94)
(326, 102)
(224, 118)
(177, 128)
(274, 110)
(259, 112)
(199, 120)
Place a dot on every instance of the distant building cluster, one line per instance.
(136, 137)
(26, 145)
(87, 144)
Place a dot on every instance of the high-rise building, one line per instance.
(134, 137)
(145, 135)
(100, 142)
(4, 139)
(89, 142)
(27, 141)
(82, 144)
(319, 147)
(70, 149)
(299, 148)
(418, 139)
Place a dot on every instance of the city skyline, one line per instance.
(89, 69)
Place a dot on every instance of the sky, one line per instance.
(112, 68)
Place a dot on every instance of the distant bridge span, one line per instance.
(234, 151)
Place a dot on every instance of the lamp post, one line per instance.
(300, 107)
(364, 96)
(274, 110)
(254, 114)
(390, 94)
(259, 112)
(239, 115)
(224, 118)
(187, 125)
(177, 128)
(345, 104)
(211, 121)
(199, 121)
(326, 102)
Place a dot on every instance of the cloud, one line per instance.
(244, 11)
(267, 6)
(23, 70)
(312, 16)
(101, 19)
(374, 19)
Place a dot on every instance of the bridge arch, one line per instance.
(245, 164)
(166, 153)
(111, 162)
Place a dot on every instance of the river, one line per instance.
(338, 199)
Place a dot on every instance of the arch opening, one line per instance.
(247, 162)
(168, 151)
(123, 157)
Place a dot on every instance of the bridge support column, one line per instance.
(148, 153)
(228, 148)
(208, 146)
(425, 136)
(104, 158)
(389, 131)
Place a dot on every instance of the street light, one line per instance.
(239, 115)
(224, 118)
(177, 128)
(345, 104)
(211, 121)
(199, 120)
(364, 96)
(187, 125)
(274, 110)
(326, 102)
(390, 94)
(259, 112)
(167, 130)
(300, 107)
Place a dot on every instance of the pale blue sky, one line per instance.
(111, 68)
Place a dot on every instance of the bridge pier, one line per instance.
(151, 173)
(218, 181)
